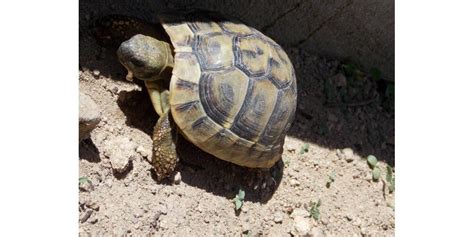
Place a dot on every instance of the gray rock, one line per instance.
(92, 204)
(299, 212)
(278, 217)
(120, 151)
(93, 219)
(348, 154)
(85, 215)
(177, 178)
(96, 73)
(301, 226)
(294, 182)
(245, 227)
(89, 115)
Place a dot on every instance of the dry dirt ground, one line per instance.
(342, 119)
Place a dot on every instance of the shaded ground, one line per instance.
(333, 113)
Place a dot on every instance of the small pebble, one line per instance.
(85, 215)
(278, 217)
(164, 224)
(115, 90)
(301, 226)
(177, 178)
(163, 209)
(96, 73)
(245, 227)
(294, 182)
(93, 219)
(109, 183)
(119, 163)
(348, 154)
(299, 212)
(92, 205)
(244, 209)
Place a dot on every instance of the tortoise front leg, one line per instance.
(158, 95)
(164, 157)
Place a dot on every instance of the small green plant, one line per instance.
(304, 148)
(83, 180)
(331, 179)
(349, 69)
(390, 179)
(352, 70)
(314, 211)
(376, 174)
(239, 199)
(372, 161)
(375, 73)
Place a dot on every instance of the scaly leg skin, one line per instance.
(164, 157)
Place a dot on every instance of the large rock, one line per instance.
(89, 115)
(120, 150)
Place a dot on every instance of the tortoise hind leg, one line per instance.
(164, 157)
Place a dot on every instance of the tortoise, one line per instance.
(226, 87)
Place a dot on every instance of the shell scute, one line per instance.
(233, 90)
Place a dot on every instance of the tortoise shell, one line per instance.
(233, 89)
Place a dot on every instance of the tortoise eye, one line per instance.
(137, 62)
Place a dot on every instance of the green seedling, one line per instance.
(314, 211)
(83, 180)
(372, 161)
(331, 179)
(349, 69)
(376, 174)
(375, 73)
(304, 148)
(390, 179)
(239, 199)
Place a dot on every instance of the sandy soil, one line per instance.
(343, 120)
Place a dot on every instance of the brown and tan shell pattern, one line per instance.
(233, 89)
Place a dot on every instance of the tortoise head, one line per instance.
(145, 57)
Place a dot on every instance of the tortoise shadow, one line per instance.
(364, 124)
(202, 170)
(138, 110)
(88, 151)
